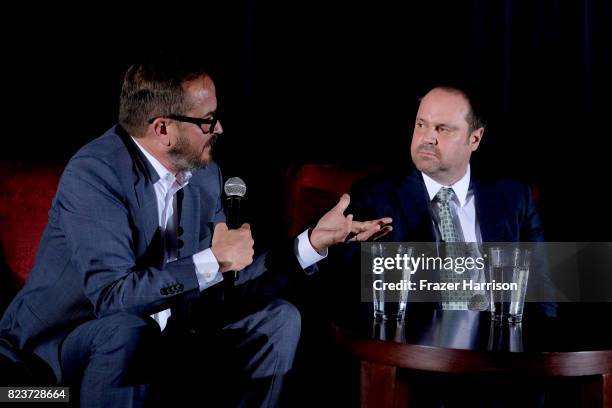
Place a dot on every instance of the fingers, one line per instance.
(371, 234)
(245, 231)
(375, 234)
(364, 234)
(361, 226)
(348, 226)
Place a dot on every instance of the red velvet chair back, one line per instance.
(312, 189)
(26, 192)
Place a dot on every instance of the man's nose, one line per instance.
(430, 136)
(218, 128)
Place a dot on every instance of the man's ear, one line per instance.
(161, 131)
(475, 138)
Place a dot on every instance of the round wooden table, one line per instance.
(467, 343)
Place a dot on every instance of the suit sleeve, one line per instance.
(531, 225)
(541, 286)
(94, 216)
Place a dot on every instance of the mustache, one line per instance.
(427, 148)
(213, 139)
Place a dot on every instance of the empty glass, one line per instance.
(392, 304)
(521, 260)
(497, 274)
(406, 252)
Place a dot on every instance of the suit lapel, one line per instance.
(414, 202)
(145, 177)
(188, 204)
(147, 202)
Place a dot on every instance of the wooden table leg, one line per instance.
(380, 388)
(598, 393)
(607, 390)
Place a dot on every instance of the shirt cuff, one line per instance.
(305, 253)
(207, 269)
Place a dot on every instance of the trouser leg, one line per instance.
(265, 343)
(108, 360)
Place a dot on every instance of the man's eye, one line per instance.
(443, 129)
(419, 125)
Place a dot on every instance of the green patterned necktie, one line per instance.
(451, 299)
(447, 226)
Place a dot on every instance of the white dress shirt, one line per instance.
(463, 210)
(462, 206)
(206, 265)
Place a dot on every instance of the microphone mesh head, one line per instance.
(235, 187)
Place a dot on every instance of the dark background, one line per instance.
(337, 83)
(329, 82)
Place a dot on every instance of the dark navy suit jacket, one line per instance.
(101, 252)
(505, 210)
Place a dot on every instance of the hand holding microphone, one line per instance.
(232, 248)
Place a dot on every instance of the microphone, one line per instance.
(235, 189)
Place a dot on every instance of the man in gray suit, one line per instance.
(128, 270)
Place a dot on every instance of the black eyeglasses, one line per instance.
(211, 122)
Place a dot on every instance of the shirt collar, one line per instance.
(182, 177)
(460, 188)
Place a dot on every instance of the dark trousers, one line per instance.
(236, 360)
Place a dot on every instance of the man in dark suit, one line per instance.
(127, 275)
(440, 201)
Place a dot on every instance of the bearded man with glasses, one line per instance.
(125, 290)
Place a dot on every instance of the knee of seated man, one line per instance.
(287, 322)
(126, 331)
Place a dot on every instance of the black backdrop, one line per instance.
(315, 81)
(329, 82)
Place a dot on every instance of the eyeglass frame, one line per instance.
(190, 119)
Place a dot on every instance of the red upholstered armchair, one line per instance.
(26, 192)
(312, 189)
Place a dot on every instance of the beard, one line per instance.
(187, 158)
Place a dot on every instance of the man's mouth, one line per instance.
(213, 139)
(428, 152)
(209, 144)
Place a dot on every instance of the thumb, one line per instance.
(245, 226)
(220, 227)
(343, 203)
(220, 230)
